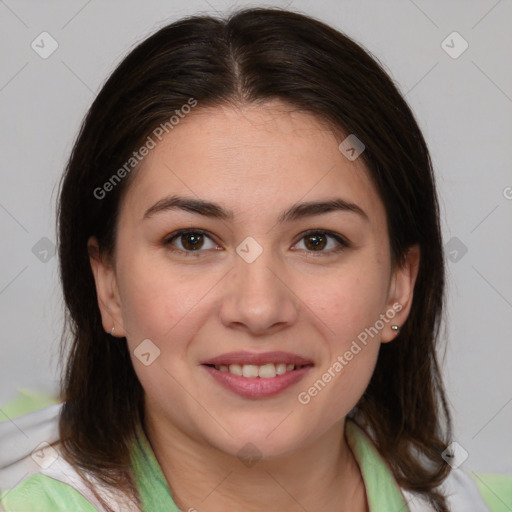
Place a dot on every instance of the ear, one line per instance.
(400, 296)
(106, 290)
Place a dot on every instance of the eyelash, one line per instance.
(343, 243)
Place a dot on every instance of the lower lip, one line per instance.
(257, 387)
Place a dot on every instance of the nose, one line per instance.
(259, 296)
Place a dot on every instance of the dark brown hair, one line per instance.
(253, 56)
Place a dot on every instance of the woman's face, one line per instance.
(256, 282)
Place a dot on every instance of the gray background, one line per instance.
(463, 105)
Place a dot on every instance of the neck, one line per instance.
(323, 475)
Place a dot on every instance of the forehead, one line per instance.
(251, 156)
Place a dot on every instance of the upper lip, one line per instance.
(258, 358)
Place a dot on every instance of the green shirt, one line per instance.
(43, 493)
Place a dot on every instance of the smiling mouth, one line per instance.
(252, 371)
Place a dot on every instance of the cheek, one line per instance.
(343, 391)
(346, 302)
(346, 307)
(352, 349)
(165, 306)
(156, 298)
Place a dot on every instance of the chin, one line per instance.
(266, 440)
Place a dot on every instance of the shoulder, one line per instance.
(44, 494)
(49, 483)
(462, 492)
(23, 484)
(496, 489)
(59, 487)
(465, 492)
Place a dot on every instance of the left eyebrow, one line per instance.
(216, 211)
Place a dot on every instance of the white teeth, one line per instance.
(267, 371)
(251, 371)
(280, 369)
(235, 369)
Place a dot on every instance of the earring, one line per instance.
(395, 328)
(112, 332)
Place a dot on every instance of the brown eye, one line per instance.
(189, 242)
(316, 241)
(192, 241)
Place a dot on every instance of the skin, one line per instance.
(256, 161)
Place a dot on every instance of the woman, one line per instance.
(252, 263)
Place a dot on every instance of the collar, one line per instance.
(381, 488)
(383, 492)
(152, 486)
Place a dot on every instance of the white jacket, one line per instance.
(19, 438)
